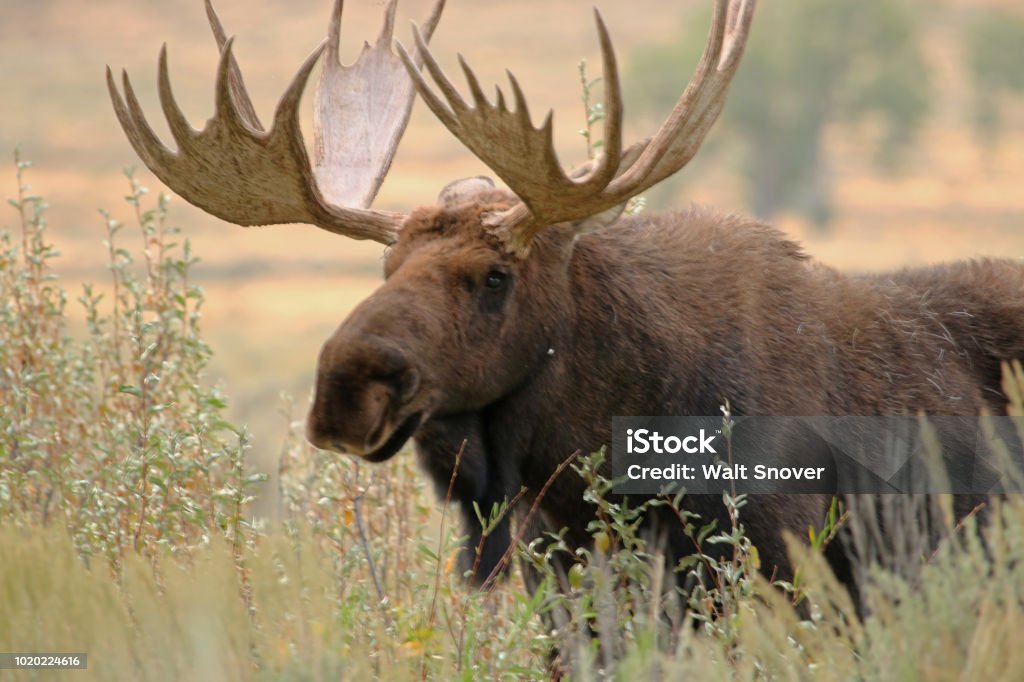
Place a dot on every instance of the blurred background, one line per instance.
(881, 135)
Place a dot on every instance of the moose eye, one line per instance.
(495, 280)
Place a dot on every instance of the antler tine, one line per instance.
(360, 113)
(736, 33)
(479, 98)
(679, 138)
(334, 32)
(225, 103)
(387, 32)
(445, 112)
(238, 91)
(129, 113)
(608, 162)
(182, 132)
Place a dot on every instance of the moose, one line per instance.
(513, 324)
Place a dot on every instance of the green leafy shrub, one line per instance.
(115, 435)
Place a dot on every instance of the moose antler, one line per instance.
(524, 156)
(242, 173)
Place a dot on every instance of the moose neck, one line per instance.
(663, 315)
(622, 299)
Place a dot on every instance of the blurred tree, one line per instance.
(808, 64)
(995, 59)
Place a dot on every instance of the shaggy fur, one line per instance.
(661, 314)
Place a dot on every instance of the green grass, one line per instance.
(127, 532)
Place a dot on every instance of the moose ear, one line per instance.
(601, 220)
(561, 238)
(598, 221)
(464, 189)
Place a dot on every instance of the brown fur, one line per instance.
(661, 314)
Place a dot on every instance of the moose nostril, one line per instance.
(376, 407)
(410, 384)
(392, 368)
(403, 383)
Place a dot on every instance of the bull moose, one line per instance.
(512, 325)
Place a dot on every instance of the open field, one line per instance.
(186, 571)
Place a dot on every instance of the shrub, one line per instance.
(115, 435)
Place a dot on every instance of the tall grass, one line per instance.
(126, 533)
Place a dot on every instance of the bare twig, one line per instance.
(357, 512)
(959, 526)
(432, 618)
(507, 556)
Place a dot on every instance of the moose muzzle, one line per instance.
(364, 398)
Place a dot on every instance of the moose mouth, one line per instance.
(399, 438)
